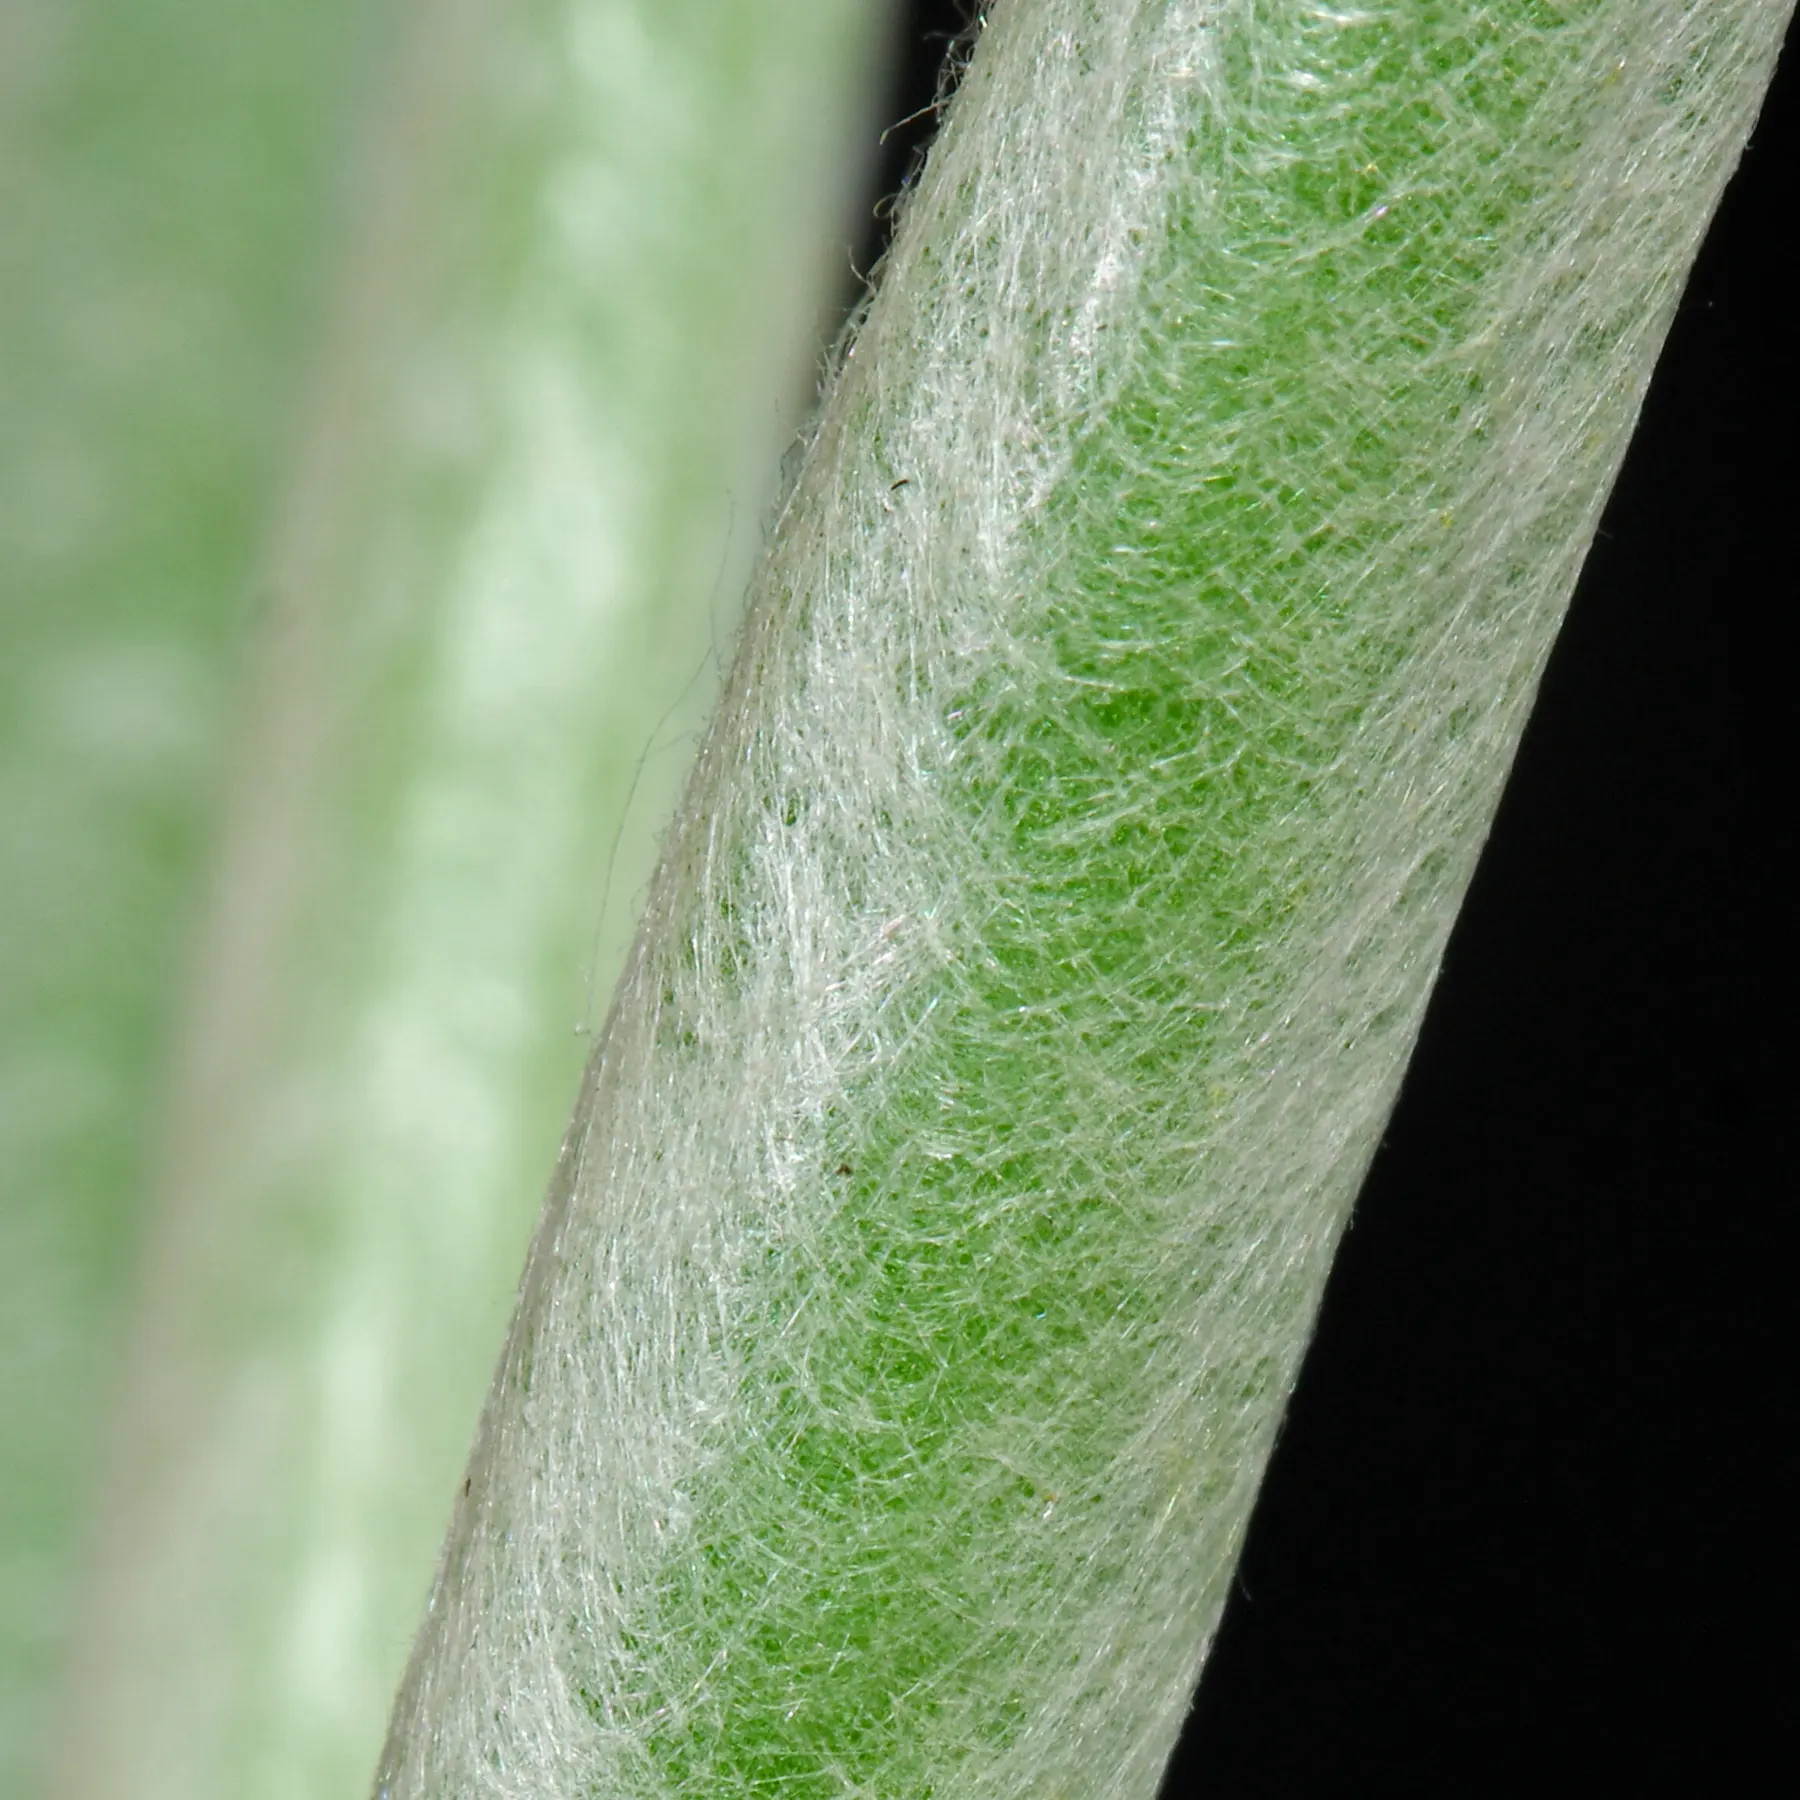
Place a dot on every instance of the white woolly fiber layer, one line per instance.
(1126, 696)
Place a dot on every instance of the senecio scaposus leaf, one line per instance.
(589, 244)
(1032, 968)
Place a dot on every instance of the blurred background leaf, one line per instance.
(457, 346)
(169, 174)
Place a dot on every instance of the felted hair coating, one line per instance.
(1031, 970)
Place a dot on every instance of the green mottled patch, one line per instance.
(961, 1363)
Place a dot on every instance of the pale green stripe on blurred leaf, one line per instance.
(578, 323)
(167, 176)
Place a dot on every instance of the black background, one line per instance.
(1518, 1524)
